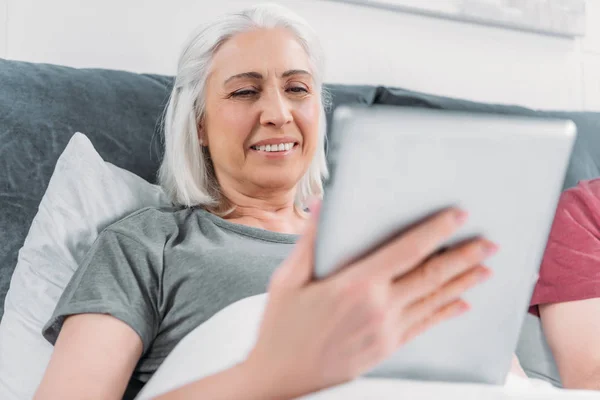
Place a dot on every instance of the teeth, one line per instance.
(274, 147)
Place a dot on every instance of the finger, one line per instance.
(452, 310)
(446, 295)
(297, 269)
(439, 270)
(411, 248)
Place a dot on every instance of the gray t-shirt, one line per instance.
(166, 271)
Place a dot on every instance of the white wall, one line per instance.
(364, 45)
(591, 57)
(3, 27)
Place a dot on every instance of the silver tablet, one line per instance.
(394, 166)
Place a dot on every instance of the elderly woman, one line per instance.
(244, 153)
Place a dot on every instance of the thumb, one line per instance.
(297, 269)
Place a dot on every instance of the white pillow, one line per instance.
(222, 341)
(85, 194)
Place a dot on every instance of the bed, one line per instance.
(118, 108)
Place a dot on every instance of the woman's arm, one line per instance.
(573, 333)
(94, 357)
(243, 381)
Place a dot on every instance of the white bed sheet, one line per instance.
(228, 336)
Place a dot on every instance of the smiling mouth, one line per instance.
(274, 148)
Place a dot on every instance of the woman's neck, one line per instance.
(270, 211)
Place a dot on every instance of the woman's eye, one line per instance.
(298, 89)
(244, 93)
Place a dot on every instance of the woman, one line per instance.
(244, 152)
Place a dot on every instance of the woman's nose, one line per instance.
(276, 110)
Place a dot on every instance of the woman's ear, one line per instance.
(202, 136)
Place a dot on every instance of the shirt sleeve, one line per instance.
(119, 277)
(570, 268)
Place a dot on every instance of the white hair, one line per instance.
(186, 172)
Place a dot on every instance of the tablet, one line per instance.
(393, 167)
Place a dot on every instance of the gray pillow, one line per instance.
(44, 105)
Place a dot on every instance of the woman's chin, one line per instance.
(275, 182)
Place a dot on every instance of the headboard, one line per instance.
(364, 45)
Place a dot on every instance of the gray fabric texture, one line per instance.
(535, 354)
(166, 271)
(43, 105)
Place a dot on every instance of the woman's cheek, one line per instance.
(237, 125)
(308, 121)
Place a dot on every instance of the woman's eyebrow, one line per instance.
(256, 75)
(291, 72)
(247, 75)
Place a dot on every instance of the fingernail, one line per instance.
(461, 216)
(484, 275)
(460, 309)
(489, 248)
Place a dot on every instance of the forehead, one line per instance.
(264, 51)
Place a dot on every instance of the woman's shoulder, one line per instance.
(581, 203)
(151, 222)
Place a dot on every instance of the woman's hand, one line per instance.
(316, 334)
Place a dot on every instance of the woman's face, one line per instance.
(261, 118)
